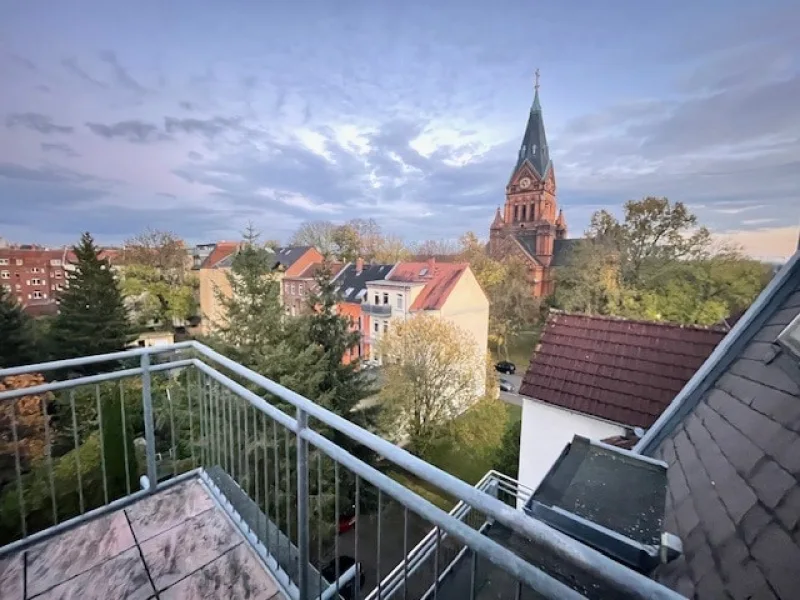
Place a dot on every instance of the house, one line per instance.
(731, 438)
(352, 282)
(448, 290)
(213, 275)
(297, 289)
(531, 226)
(602, 378)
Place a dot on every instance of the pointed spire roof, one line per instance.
(534, 144)
(498, 220)
(560, 221)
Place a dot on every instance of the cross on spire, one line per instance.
(536, 85)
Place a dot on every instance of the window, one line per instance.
(7, 287)
(293, 288)
(385, 326)
(385, 298)
(59, 287)
(19, 262)
(377, 327)
(58, 274)
(18, 286)
(3, 261)
(301, 288)
(5, 275)
(56, 262)
(423, 272)
(789, 338)
(377, 299)
(37, 295)
(400, 301)
(37, 270)
(359, 323)
(37, 282)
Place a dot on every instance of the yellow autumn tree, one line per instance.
(29, 414)
(433, 371)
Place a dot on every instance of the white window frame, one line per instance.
(3, 261)
(400, 301)
(19, 262)
(37, 281)
(55, 262)
(37, 295)
(5, 275)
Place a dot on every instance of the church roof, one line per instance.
(534, 148)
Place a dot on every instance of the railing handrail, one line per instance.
(583, 558)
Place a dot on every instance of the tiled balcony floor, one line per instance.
(173, 545)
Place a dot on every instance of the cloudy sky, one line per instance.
(199, 116)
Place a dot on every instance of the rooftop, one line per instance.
(439, 279)
(620, 370)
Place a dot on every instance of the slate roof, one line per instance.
(351, 283)
(731, 439)
(562, 251)
(533, 148)
(620, 370)
(439, 280)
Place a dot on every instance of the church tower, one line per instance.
(530, 222)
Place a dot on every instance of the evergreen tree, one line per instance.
(17, 346)
(341, 386)
(92, 318)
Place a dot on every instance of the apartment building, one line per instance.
(448, 290)
(298, 289)
(34, 276)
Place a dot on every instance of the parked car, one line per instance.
(506, 367)
(506, 386)
(348, 590)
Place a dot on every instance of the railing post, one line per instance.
(302, 506)
(149, 425)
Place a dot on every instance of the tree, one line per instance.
(435, 248)
(157, 280)
(18, 345)
(28, 415)
(319, 234)
(347, 243)
(92, 318)
(390, 249)
(433, 371)
(506, 458)
(656, 264)
(653, 229)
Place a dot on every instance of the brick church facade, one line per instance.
(531, 226)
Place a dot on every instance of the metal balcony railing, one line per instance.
(270, 456)
(378, 310)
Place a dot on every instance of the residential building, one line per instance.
(352, 282)
(448, 290)
(602, 378)
(531, 225)
(213, 275)
(34, 276)
(298, 289)
(731, 439)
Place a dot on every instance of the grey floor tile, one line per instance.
(236, 574)
(12, 573)
(76, 551)
(118, 578)
(163, 510)
(172, 555)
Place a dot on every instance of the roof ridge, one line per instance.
(672, 324)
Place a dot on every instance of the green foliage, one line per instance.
(156, 279)
(92, 318)
(18, 343)
(506, 458)
(656, 264)
(117, 441)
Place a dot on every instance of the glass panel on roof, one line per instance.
(423, 272)
(348, 291)
(361, 294)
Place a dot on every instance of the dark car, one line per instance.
(506, 367)
(348, 590)
(506, 386)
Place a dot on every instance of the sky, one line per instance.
(201, 117)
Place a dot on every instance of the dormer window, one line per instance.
(423, 272)
(789, 339)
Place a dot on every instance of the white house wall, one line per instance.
(546, 430)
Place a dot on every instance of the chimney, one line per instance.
(359, 265)
(431, 265)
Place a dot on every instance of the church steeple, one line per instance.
(534, 143)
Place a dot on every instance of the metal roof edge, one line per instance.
(722, 356)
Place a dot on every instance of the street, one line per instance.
(511, 397)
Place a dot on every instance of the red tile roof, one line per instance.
(221, 250)
(617, 369)
(439, 280)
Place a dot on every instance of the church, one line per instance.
(531, 226)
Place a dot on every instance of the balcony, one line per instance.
(377, 310)
(232, 487)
